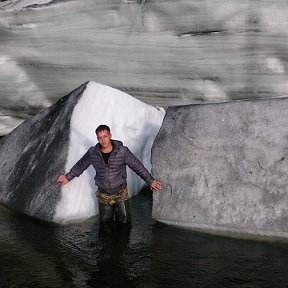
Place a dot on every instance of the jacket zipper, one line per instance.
(106, 171)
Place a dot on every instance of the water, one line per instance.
(149, 254)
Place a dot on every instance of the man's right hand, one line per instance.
(62, 179)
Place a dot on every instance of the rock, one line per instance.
(41, 148)
(224, 167)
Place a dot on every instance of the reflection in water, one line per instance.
(113, 243)
(146, 254)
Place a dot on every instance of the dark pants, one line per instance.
(119, 212)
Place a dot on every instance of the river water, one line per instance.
(148, 254)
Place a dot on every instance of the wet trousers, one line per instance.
(114, 207)
(118, 212)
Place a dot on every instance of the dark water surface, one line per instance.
(150, 254)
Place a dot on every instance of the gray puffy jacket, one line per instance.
(111, 177)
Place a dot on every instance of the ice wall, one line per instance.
(34, 154)
(18, 5)
(162, 52)
(224, 167)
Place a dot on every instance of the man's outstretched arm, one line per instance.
(136, 165)
(76, 170)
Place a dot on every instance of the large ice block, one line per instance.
(224, 167)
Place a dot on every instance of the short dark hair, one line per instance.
(102, 128)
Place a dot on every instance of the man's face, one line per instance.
(104, 138)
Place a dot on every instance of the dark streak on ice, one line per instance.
(203, 33)
(39, 147)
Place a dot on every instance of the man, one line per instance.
(109, 158)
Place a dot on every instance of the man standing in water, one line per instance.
(109, 158)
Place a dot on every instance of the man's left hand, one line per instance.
(155, 185)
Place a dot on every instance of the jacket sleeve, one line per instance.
(79, 167)
(134, 163)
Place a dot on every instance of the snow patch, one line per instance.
(8, 123)
(275, 65)
(211, 90)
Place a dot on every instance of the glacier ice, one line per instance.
(223, 167)
(162, 52)
(34, 154)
